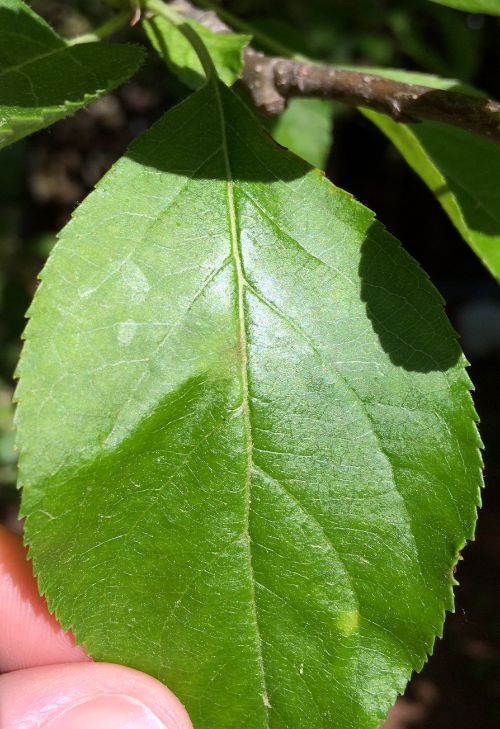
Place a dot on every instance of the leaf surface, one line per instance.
(247, 444)
(305, 128)
(43, 78)
(225, 49)
(460, 168)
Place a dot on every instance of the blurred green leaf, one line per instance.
(491, 7)
(43, 244)
(8, 455)
(12, 174)
(43, 78)
(452, 48)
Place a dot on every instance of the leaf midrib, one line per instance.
(243, 356)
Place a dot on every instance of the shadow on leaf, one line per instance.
(403, 313)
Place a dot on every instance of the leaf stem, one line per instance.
(158, 7)
(118, 21)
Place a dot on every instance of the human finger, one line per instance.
(83, 695)
(30, 635)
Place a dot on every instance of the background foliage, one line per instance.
(42, 180)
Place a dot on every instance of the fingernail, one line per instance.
(109, 711)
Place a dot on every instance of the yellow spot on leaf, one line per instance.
(348, 621)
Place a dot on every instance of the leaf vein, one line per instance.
(240, 279)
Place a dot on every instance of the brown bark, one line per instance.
(272, 81)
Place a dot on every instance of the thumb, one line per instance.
(83, 695)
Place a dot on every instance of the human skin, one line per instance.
(48, 682)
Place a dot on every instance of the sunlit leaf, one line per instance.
(247, 444)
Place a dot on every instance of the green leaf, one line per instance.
(247, 444)
(226, 51)
(460, 168)
(305, 128)
(43, 78)
(491, 7)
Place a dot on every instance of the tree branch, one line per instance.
(272, 81)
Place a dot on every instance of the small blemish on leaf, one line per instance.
(135, 280)
(348, 621)
(126, 332)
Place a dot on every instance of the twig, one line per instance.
(103, 31)
(273, 80)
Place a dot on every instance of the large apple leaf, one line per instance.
(460, 168)
(247, 444)
(43, 78)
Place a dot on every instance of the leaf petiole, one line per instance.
(160, 8)
(118, 21)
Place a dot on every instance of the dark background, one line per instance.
(42, 180)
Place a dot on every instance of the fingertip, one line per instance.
(30, 635)
(78, 696)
